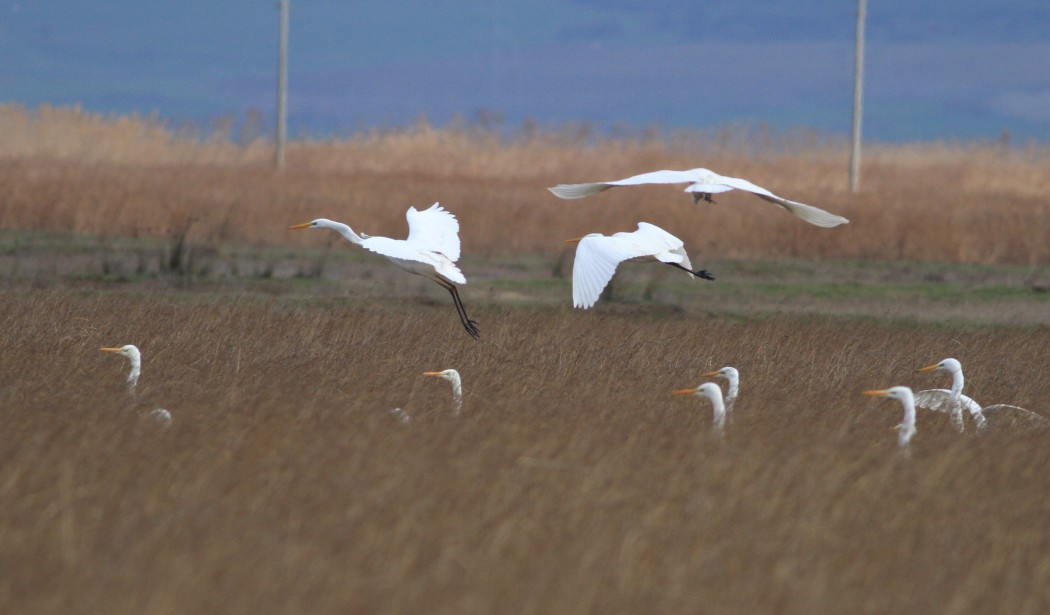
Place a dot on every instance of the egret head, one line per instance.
(129, 351)
(726, 373)
(892, 392)
(449, 374)
(947, 365)
(709, 390)
(318, 223)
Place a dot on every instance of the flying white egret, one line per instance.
(906, 430)
(135, 358)
(598, 255)
(732, 376)
(954, 402)
(711, 391)
(457, 386)
(431, 250)
(702, 184)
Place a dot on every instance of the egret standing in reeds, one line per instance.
(597, 257)
(702, 184)
(431, 250)
(711, 391)
(732, 377)
(457, 386)
(954, 402)
(134, 357)
(906, 430)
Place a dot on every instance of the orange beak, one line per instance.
(576, 240)
(110, 349)
(929, 368)
(684, 392)
(878, 393)
(432, 374)
(711, 374)
(299, 226)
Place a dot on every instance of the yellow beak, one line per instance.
(299, 226)
(711, 374)
(929, 368)
(432, 374)
(576, 240)
(878, 393)
(110, 349)
(684, 392)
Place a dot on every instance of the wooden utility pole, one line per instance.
(282, 86)
(858, 95)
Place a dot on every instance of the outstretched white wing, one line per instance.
(1000, 414)
(578, 191)
(813, 215)
(664, 246)
(414, 259)
(940, 401)
(434, 229)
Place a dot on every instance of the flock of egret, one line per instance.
(433, 247)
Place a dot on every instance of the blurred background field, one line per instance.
(572, 482)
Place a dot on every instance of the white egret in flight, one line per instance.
(711, 391)
(954, 402)
(702, 184)
(732, 376)
(135, 358)
(906, 430)
(457, 386)
(431, 250)
(598, 255)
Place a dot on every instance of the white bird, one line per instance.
(130, 351)
(457, 386)
(702, 184)
(431, 250)
(135, 358)
(598, 255)
(711, 391)
(732, 376)
(954, 402)
(907, 427)
(906, 430)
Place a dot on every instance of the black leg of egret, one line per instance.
(468, 324)
(702, 273)
(702, 196)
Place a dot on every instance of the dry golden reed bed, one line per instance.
(573, 482)
(64, 170)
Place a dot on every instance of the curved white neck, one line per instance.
(957, 383)
(457, 394)
(719, 411)
(345, 231)
(734, 388)
(136, 369)
(907, 427)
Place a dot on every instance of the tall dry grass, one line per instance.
(65, 170)
(571, 483)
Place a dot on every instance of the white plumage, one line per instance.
(955, 403)
(702, 183)
(597, 257)
(906, 430)
(430, 250)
